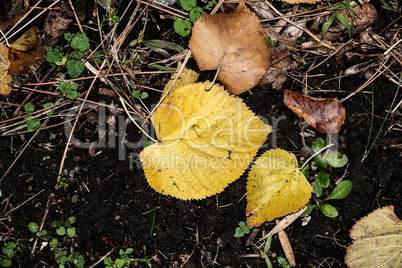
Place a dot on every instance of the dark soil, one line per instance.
(116, 208)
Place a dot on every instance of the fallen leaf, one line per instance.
(25, 51)
(325, 115)
(275, 187)
(5, 78)
(376, 241)
(368, 17)
(235, 43)
(276, 74)
(57, 22)
(206, 141)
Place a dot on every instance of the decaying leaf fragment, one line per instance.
(275, 187)
(276, 73)
(376, 241)
(325, 115)
(25, 51)
(5, 78)
(235, 43)
(206, 139)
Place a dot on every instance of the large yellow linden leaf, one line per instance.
(377, 241)
(275, 187)
(206, 141)
(233, 42)
(5, 78)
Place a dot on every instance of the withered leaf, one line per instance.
(235, 43)
(25, 51)
(325, 115)
(5, 78)
(276, 73)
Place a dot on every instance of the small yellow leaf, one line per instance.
(377, 241)
(206, 141)
(186, 77)
(275, 187)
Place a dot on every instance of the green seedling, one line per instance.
(183, 27)
(283, 262)
(74, 258)
(153, 219)
(75, 67)
(66, 228)
(9, 250)
(320, 163)
(125, 260)
(46, 158)
(33, 124)
(140, 95)
(68, 88)
(34, 228)
(243, 229)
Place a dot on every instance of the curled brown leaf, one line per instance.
(325, 115)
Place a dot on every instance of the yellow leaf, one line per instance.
(5, 78)
(376, 241)
(186, 77)
(275, 187)
(206, 141)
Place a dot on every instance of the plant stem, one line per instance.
(135, 123)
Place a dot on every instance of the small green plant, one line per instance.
(74, 258)
(62, 229)
(125, 260)
(182, 26)
(34, 228)
(75, 67)
(33, 124)
(243, 229)
(10, 249)
(140, 95)
(335, 159)
(66, 228)
(68, 88)
(283, 262)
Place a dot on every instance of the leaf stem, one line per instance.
(213, 81)
(135, 123)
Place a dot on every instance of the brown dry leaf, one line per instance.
(5, 78)
(25, 51)
(233, 42)
(376, 241)
(325, 115)
(276, 74)
(368, 17)
(57, 23)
